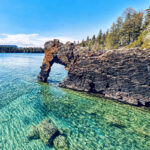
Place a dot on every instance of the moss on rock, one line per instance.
(60, 143)
(47, 132)
(33, 133)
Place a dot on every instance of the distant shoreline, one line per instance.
(15, 49)
(21, 52)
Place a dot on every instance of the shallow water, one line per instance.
(95, 123)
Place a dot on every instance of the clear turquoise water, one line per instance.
(96, 123)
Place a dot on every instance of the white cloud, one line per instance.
(29, 40)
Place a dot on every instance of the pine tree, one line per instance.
(93, 38)
(128, 30)
(131, 27)
(99, 37)
(87, 39)
(147, 17)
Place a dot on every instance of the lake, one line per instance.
(95, 123)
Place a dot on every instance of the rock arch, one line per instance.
(56, 52)
(119, 74)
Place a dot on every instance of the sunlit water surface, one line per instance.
(96, 124)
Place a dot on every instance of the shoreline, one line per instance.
(122, 75)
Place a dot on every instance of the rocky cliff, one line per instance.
(123, 75)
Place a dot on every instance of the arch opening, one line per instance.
(55, 52)
(57, 73)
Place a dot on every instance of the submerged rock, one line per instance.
(66, 131)
(123, 75)
(114, 121)
(60, 143)
(33, 133)
(47, 132)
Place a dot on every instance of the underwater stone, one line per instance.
(114, 121)
(65, 132)
(60, 143)
(50, 135)
(33, 133)
(47, 132)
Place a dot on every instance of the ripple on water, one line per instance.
(94, 123)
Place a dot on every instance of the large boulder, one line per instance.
(47, 132)
(123, 75)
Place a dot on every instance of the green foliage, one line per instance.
(143, 41)
(129, 30)
(147, 18)
(146, 41)
(131, 27)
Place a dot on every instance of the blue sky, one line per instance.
(32, 22)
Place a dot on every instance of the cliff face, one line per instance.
(118, 74)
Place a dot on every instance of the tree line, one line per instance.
(132, 29)
(12, 49)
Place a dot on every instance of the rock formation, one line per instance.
(49, 134)
(60, 143)
(46, 131)
(123, 75)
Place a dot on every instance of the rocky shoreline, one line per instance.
(122, 75)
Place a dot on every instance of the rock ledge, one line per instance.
(123, 75)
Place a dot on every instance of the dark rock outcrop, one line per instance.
(123, 75)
